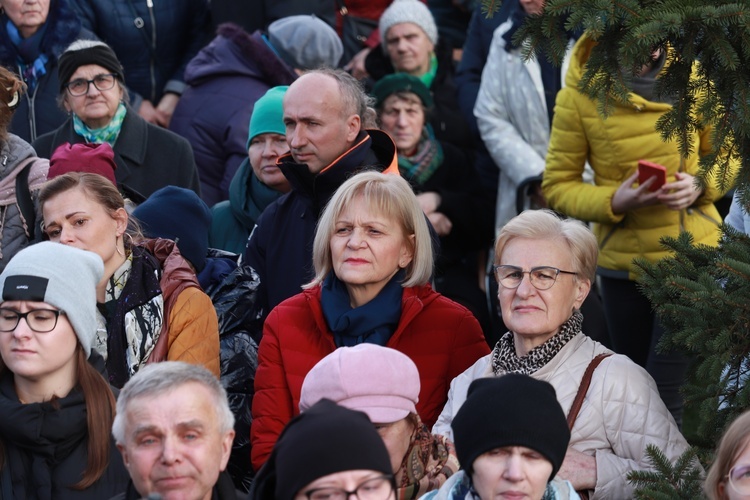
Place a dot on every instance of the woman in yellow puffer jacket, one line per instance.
(629, 219)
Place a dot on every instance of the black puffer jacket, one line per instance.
(38, 112)
(45, 447)
(233, 291)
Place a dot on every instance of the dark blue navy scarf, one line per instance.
(373, 323)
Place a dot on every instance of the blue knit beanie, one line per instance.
(268, 114)
(177, 214)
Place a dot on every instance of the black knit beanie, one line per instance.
(511, 410)
(325, 439)
(83, 52)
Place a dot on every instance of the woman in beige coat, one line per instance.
(544, 270)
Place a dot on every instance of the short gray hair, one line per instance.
(546, 225)
(354, 99)
(160, 378)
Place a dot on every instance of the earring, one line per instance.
(117, 247)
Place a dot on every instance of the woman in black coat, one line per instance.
(446, 184)
(92, 91)
(56, 408)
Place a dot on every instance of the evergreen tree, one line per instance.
(701, 294)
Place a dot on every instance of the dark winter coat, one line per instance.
(225, 79)
(255, 15)
(234, 219)
(154, 41)
(46, 448)
(467, 79)
(38, 112)
(280, 248)
(445, 117)
(440, 336)
(459, 187)
(147, 157)
(232, 290)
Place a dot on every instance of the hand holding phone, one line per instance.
(647, 169)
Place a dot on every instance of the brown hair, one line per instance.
(100, 413)
(98, 188)
(11, 88)
(732, 444)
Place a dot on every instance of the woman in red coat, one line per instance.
(373, 260)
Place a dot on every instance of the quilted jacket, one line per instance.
(511, 113)
(192, 327)
(613, 148)
(622, 412)
(154, 41)
(439, 335)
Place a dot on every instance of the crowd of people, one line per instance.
(361, 249)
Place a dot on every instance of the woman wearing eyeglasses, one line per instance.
(56, 408)
(92, 92)
(729, 475)
(544, 267)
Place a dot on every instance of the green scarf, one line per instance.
(421, 165)
(107, 134)
(429, 77)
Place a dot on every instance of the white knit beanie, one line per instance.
(408, 11)
(63, 277)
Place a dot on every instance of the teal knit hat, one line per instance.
(268, 114)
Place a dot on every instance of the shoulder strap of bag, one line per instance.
(583, 389)
(23, 197)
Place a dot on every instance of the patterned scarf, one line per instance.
(421, 165)
(429, 462)
(107, 133)
(131, 318)
(505, 359)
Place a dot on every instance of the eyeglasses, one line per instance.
(39, 320)
(377, 488)
(80, 86)
(542, 277)
(739, 479)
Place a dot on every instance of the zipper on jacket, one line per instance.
(150, 5)
(32, 120)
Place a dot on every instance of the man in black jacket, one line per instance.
(323, 114)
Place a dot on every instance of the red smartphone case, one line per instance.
(647, 169)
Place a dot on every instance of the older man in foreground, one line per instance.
(174, 429)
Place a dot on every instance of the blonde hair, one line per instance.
(732, 444)
(546, 225)
(391, 196)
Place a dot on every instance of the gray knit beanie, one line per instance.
(305, 42)
(63, 277)
(408, 11)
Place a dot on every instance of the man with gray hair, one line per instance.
(323, 115)
(174, 429)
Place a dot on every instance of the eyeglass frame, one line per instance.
(20, 315)
(388, 477)
(557, 273)
(728, 478)
(89, 82)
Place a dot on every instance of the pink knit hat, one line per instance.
(376, 380)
